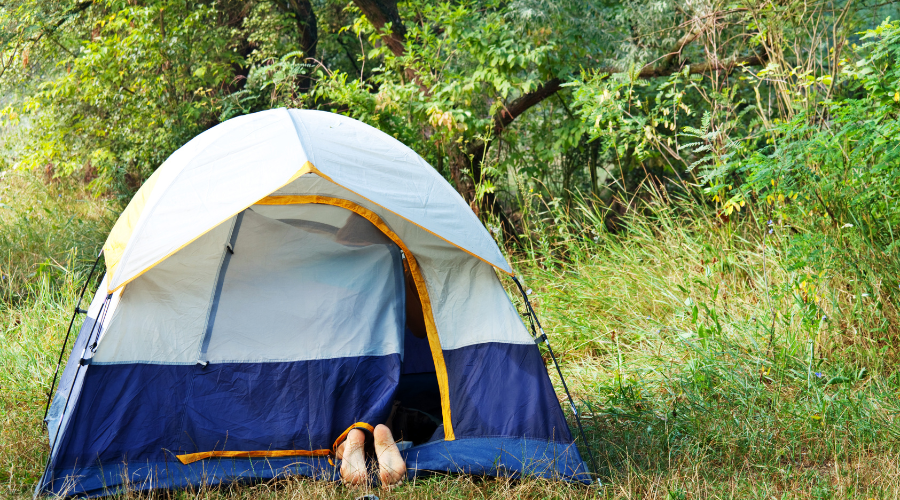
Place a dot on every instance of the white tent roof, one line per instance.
(237, 163)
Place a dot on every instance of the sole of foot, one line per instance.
(391, 467)
(353, 459)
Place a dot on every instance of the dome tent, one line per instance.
(253, 311)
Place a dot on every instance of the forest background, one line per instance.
(702, 196)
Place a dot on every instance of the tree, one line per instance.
(497, 95)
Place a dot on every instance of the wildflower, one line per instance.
(818, 374)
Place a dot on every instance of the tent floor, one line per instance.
(512, 457)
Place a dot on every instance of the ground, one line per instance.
(703, 366)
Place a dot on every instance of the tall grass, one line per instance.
(31, 335)
(49, 236)
(705, 367)
(47, 229)
(695, 350)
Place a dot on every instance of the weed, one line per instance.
(700, 367)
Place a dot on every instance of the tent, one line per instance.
(257, 304)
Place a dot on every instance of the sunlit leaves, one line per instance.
(139, 83)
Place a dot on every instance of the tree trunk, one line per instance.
(380, 13)
(307, 26)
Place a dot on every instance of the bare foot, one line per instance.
(391, 467)
(353, 459)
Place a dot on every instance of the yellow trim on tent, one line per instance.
(318, 172)
(343, 436)
(433, 341)
(194, 457)
(305, 169)
(121, 231)
(190, 458)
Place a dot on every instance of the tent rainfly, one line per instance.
(259, 301)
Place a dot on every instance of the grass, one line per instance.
(704, 365)
(701, 359)
(49, 236)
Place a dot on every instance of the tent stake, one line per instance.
(78, 310)
(543, 338)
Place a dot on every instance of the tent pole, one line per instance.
(78, 310)
(97, 327)
(543, 338)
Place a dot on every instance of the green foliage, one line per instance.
(465, 72)
(107, 89)
(707, 206)
(269, 86)
(31, 334)
(636, 118)
(832, 175)
(125, 97)
(689, 354)
(271, 32)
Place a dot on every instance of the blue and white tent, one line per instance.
(254, 309)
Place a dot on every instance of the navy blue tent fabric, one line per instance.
(123, 424)
(502, 390)
(143, 412)
(132, 420)
(503, 457)
(416, 355)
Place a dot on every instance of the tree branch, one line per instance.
(307, 24)
(380, 13)
(689, 37)
(65, 16)
(696, 69)
(74, 11)
(521, 104)
(477, 150)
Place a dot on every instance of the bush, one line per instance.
(830, 179)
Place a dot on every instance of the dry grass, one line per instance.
(30, 337)
(665, 335)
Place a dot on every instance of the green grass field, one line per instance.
(703, 365)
